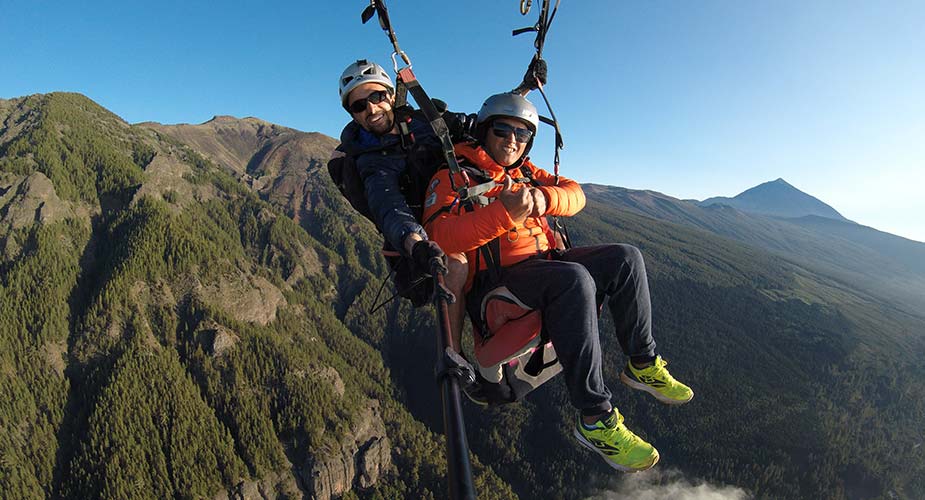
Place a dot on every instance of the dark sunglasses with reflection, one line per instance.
(376, 97)
(504, 130)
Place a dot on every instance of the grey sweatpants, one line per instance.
(569, 289)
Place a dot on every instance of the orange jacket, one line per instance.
(458, 231)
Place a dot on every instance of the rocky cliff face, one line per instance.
(362, 458)
(358, 463)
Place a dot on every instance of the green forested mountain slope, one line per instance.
(187, 316)
(166, 333)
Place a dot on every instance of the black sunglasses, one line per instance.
(376, 97)
(504, 130)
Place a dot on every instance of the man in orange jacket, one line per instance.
(567, 286)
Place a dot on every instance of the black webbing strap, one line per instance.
(558, 226)
(406, 76)
(378, 7)
(527, 172)
(536, 363)
(535, 77)
(492, 255)
(541, 27)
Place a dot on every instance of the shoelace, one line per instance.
(615, 435)
(660, 371)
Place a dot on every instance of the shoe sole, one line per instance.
(639, 386)
(622, 468)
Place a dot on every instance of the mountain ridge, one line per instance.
(882, 263)
(776, 198)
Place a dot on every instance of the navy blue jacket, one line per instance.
(381, 161)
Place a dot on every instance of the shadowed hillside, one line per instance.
(886, 267)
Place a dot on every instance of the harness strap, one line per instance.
(478, 190)
(536, 363)
(492, 251)
(542, 24)
(558, 226)
(433, 116)
(378, 7)
(407, 138)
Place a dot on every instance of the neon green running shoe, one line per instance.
(620, 448)
(656, 380)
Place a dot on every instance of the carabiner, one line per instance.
(525, 6)
(404, 58)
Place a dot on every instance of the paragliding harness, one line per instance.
(421, 163)
(410, 282)
(513, 353)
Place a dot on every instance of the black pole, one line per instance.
(448, 374)
(451, 369)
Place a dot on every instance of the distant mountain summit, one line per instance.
(779, 199)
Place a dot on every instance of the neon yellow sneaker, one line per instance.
(620, 448)
(656, 380)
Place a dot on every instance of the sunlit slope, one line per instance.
(165, 332)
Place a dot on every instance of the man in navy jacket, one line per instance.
(385, 156)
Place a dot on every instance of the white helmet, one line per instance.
(359, 73)
(510, 105)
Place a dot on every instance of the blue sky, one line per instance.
(691, 99)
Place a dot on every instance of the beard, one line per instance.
(379, 123)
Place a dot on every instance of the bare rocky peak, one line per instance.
(282, 164)
(243, 144)
(779, 199)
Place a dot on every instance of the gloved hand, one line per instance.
(534, 77)
(439, 104)
(461, 126)
(426, 254)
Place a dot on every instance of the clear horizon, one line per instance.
(690, 100)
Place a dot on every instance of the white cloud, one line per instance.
(658, 484)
